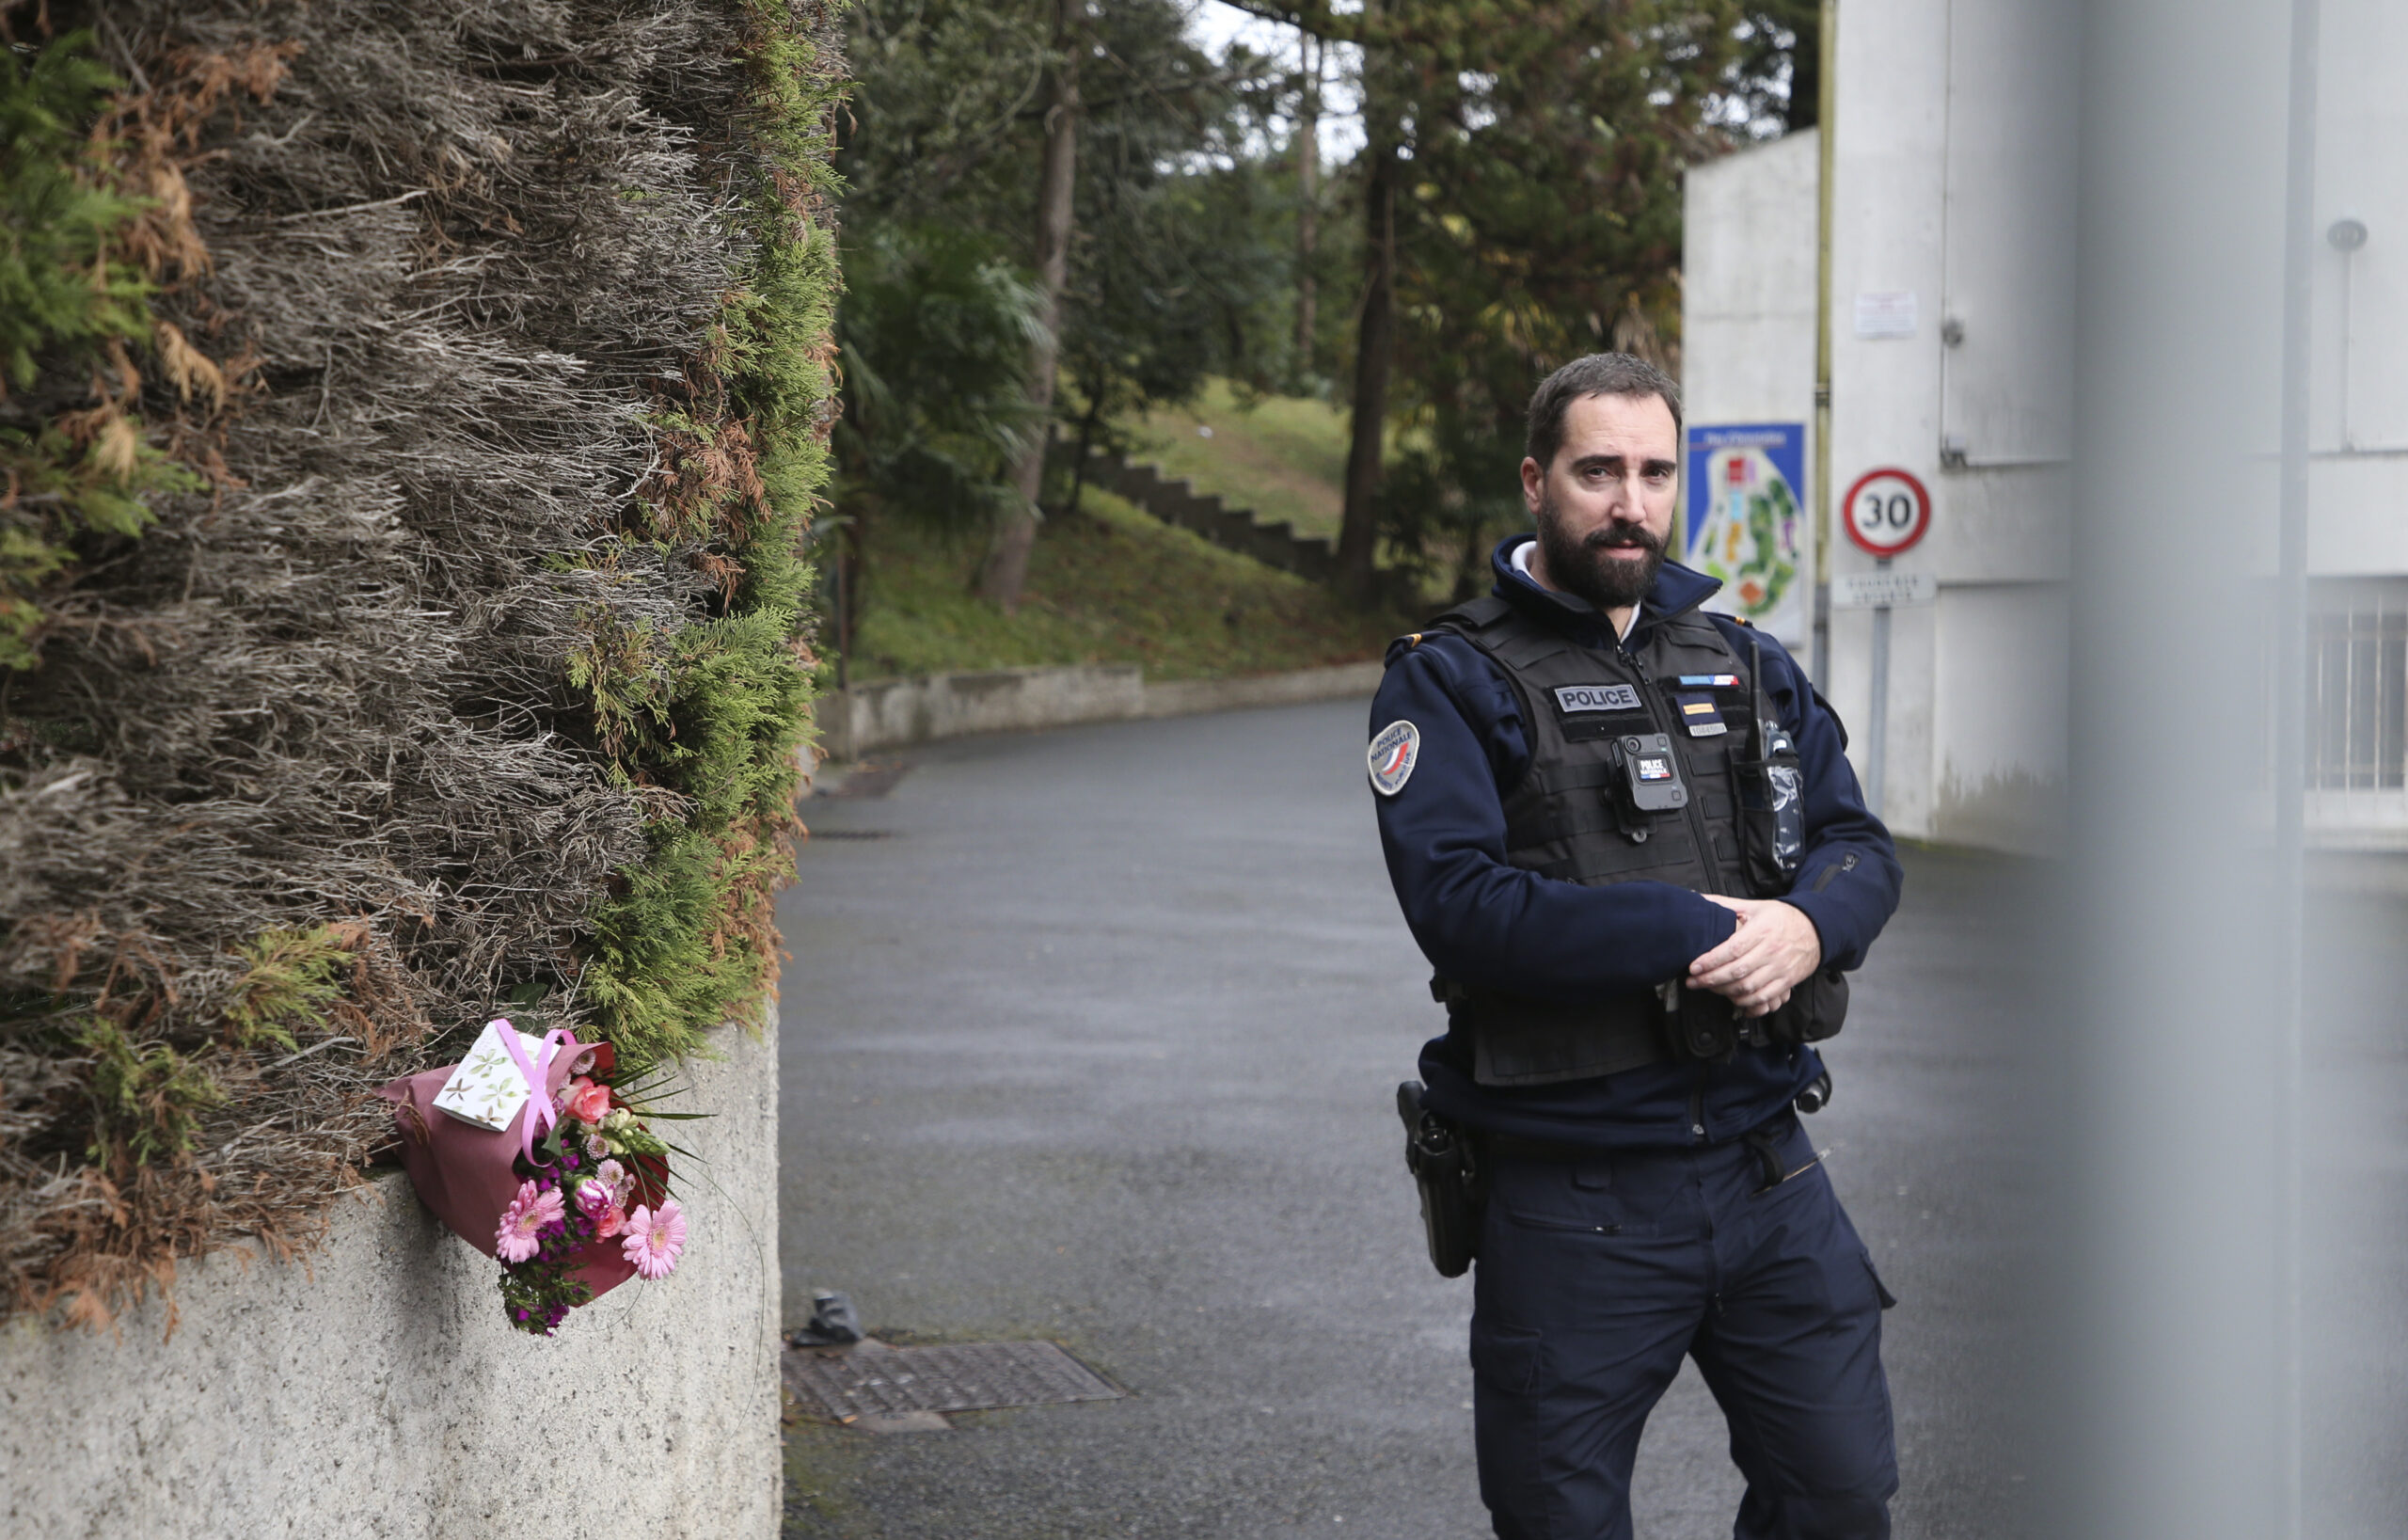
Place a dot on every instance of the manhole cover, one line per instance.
(871, 1379)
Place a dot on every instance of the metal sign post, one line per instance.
(1888, 510)
(1877, 750)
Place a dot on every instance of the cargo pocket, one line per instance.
(1880, 1290)
(1505, 1359)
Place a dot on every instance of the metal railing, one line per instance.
(2357, 711)
(2357, 663)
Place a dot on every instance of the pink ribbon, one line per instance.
(539, 1098)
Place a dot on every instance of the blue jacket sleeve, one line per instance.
(1849, 878)
(1479, 920)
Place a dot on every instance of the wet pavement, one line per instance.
(1092, 1037)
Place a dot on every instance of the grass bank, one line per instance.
(1109, 584)
(1283, 457)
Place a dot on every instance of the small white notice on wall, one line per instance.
(1885, 312)
(1883, 589)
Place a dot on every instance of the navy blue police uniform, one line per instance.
(1670, 1208)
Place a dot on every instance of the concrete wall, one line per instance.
(893, 713)
(2362, 299)
(1748, 315)
(887, 712)
(376, 1391)
(1952, 185)
(1189, 697)
(1976, 735)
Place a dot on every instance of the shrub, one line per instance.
(401, 572)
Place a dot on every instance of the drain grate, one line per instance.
(817, 835)
(873, 1380)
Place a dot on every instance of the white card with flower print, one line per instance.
(487, 1090)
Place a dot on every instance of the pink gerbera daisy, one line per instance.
(528, 1214)
(655, 1238)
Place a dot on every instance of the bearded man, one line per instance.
(1624, 834)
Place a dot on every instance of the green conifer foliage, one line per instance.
(69, 302)
(718, 712)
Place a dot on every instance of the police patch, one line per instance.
(1392, 755)
(1571, 698)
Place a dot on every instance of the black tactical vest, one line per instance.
(1660, 763)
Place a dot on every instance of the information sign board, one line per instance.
(1745, 524)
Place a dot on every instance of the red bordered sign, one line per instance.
(1887, 510)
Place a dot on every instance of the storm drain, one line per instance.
(871, 1380)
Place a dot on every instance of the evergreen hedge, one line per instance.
(412, 421)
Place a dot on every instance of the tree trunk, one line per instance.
(1092, 420)
(1374, 347)
(1307, 194)
(1005, 571)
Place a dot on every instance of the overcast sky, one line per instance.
(1216, 25)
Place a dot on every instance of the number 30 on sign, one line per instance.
(1888, 510)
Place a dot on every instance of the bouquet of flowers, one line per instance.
(535, 1151)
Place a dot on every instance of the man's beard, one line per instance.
(1582, 566)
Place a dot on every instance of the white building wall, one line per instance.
(1748, 285)
(2360, 411)
(1949, 186)
(1954, 182)
(1748, 315)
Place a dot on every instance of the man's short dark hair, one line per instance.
(1597, 374)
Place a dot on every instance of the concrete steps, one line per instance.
(1308, 557)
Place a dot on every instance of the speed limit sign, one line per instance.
(1888, 510)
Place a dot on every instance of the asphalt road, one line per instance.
(1092, 1035)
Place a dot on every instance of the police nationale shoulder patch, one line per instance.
(1394, 751)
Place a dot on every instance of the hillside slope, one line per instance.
(1109, 584)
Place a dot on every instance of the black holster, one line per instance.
(1444, 1167)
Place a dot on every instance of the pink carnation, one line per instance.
(654, 1240)
(598, 1200)
(528, 1214)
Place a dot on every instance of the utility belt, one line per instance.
(1450, 1167)
(1519, 1040)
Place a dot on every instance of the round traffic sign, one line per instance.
(1888, 510)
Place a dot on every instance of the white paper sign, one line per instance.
(1883, 590)
(487, 1090)
(1883, 314)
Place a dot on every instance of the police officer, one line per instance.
(1623, 832)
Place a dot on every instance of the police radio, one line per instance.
(1646, 780)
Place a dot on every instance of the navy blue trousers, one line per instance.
(1595, 1276)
